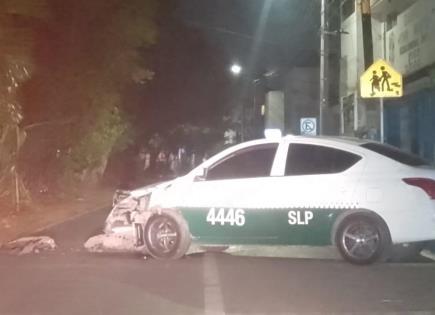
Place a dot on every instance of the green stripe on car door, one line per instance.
(265, 227)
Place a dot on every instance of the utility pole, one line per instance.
(324, 73)
(366, 18)
(367, 38)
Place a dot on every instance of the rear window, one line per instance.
(395, 154)
(309, 159)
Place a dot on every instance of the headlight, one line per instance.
(143, 202)
(119, 195)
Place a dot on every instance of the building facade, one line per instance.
(402, 34)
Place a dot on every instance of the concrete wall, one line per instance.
(301, 90)
(352, 52)
(411, 43)
(409, 46)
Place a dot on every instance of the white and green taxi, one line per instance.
(362, 196)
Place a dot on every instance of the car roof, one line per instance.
(326, 139)
(331, 140)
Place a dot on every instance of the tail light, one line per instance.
(428, 185)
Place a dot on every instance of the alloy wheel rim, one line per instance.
(163, 235)
(360, 240)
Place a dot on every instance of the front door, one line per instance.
(226, 207)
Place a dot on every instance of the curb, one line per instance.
(428, 254)
(71, 218)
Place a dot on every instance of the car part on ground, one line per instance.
(114, 243)
(30, 245)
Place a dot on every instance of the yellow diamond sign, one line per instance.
(381, 80)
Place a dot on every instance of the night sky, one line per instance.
(201, 39)
(268, 33)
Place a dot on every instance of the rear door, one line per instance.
(315, 185)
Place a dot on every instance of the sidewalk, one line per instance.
(43, 215)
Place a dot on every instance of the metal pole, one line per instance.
(381, 100)
(366, 20)
(341, 117)
(323, 66)
(355, 111)
(254, 106)
(243, 122)
(255, 118)
(381, 109)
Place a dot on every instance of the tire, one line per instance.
(167, 235)
(362, 239)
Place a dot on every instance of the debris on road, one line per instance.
(113, 243)
(30, 245)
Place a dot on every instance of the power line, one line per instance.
(229, 32)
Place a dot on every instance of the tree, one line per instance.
(87, 53)
(17, 22)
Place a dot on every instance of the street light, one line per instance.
(236, 69)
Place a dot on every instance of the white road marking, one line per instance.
(213, 301)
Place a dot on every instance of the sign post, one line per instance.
(381, 109)
(381, 80)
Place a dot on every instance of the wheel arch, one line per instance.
(173, 212)
(357, 212)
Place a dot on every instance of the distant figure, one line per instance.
(230, 136)
(147, 161)
(385, 79)
(172, 160)
(376, 80)
(193, 160)
(161, 164)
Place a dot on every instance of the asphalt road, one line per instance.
(71, 281)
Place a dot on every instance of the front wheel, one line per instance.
(167, 235)
(362, 239)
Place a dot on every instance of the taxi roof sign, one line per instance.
(381, 80)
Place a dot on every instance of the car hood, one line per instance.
(145, 190)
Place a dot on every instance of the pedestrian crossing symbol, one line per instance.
(381, 80)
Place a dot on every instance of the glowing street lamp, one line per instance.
(236, 69)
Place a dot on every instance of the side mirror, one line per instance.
(201, 175)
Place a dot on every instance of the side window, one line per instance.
(251, 162)
(308, 159)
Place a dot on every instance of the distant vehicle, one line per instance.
(359, 195)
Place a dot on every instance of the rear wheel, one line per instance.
(167, 235)
(362, 239)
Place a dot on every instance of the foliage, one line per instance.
(15, 69)
(98, 139)
(86, 54)
(193, 137)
